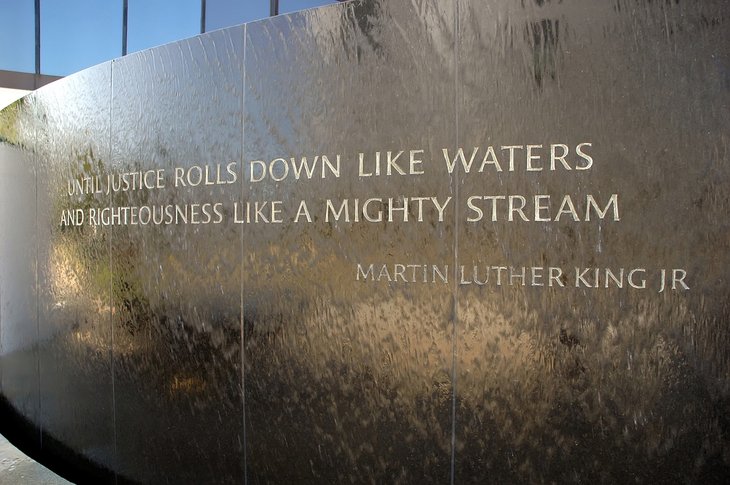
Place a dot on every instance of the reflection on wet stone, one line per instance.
(610, 372)
(175, 264)
(345, 383)
(378, 242)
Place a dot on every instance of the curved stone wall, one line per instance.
(380, 242)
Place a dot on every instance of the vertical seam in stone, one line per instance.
(36, 346)
(243, 185)
(454, 315)
(111, 280)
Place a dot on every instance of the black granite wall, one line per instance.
(504, 259)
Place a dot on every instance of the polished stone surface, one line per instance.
(551, 307)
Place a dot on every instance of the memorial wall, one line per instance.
(414, 241)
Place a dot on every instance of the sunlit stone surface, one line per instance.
(380, 242)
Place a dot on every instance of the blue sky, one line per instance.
(76, 34)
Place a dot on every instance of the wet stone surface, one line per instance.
(426, 241)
